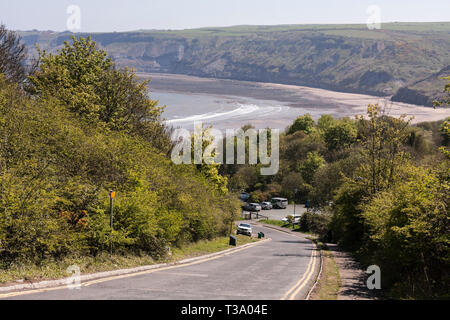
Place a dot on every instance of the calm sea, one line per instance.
(183, 109)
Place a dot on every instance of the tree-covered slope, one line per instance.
(81, 128)
(339, 57)
(424, 91)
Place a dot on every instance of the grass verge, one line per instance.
(52, 269)
(286, 225)
(278, 223)
(329, 283)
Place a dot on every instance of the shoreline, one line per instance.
(315, 99)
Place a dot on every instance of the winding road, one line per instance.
(282, 268)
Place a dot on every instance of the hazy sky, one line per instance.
(122, 15)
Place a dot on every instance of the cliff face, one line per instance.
(343, 58)
(424, 91)
(412, 96)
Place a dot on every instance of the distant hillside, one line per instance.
(424, 91)
(347, 58)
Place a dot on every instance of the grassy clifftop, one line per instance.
(347, 58)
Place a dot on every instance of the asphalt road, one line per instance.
(276, 269)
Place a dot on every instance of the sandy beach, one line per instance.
(304, 99)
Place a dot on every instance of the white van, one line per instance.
(279, 203)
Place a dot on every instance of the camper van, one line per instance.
(279, 203)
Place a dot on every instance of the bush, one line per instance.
(317, 223)
(58, 162)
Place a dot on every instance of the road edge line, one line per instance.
(309, 270)
(317, 278)
(310, 274)
(30, 288)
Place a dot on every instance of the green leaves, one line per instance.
(303, 123)
(394, 213)
(309, 167)
(89, 128)
(85, 80)
(340, 134)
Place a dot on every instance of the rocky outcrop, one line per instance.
(407, 95)
(424, 91)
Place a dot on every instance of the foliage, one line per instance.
(316, 223)
(383, 139)
(13, 54)
(340, 134)
(377, 186)
(395, 214)
(86, 81)
(310, 166)
(303, 123)
(89, 128)
(324, 123)
(410, 224)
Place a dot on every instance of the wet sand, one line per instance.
(338, 104)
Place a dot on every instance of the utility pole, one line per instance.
(293, 223)
(112, 195)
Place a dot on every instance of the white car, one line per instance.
(252, 207)
(296, 219)
(266, 205)
(244, 228)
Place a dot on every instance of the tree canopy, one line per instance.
(84, 128)
(13, 55)
(86, 81)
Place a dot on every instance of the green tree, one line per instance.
(409, 224)
(13, 55)
(291, 182)
(445, 129)
(72, 76)
(303, 123)
(309, 167)
(340, 134)
(86, 81)
(324, 123)
(56, 169)
(383, 140)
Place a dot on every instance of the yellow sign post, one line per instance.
(112, 195)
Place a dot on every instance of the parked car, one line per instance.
(244, 196)
(252, 207)
(266, 205)
(279, 203)
(244, 228)
(296, 219)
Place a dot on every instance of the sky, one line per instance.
(126, 15)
